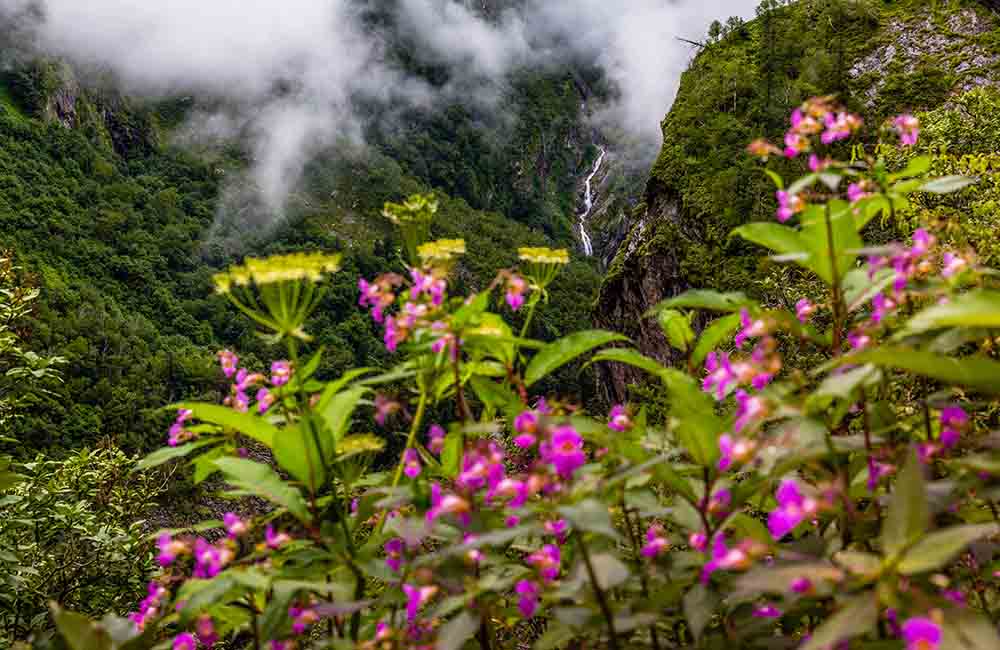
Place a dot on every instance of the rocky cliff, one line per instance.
(879, 58)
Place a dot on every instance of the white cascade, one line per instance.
(588, 203)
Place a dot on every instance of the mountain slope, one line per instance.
(878, 58)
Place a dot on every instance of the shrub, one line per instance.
(826, 481)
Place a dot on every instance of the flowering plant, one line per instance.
(847, 503)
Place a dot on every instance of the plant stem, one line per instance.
(643, 582)
(837, 297)
(410, 440)
(602, 599)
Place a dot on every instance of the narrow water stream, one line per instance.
(588, 204)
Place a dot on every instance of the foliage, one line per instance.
(72, 531)
(850, 498)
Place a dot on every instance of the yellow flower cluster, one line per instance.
(418, 208)
(278, 268)
(442, 250)
(543, 255)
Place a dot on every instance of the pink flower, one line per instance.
(882, 305)
(416, 598)
(804, 309)
(618, 419)
(275, 540)
(767, 611)
(840, 126)
(793, 507)
(526, 425)
(302, 618)
(527, 602)
(953, 265)
(724, 558)
(858, 340)
(789, 205)
(954, 420)
(547, 562)
(411, 463)
(229, 361)
(394, 554)
(281, 372)
(149, 608)
(749, 408)
(565, 451)
(751, 328)
(435, 439)
(265, 399)
(515, 291)
(234, 525)
(209, 560)
(908, 128)
(720, 374)
(384, 407)
(205, 629)
(698, 541)
(169, 549)
(876, 471)
(801, 586)
(656, 543)
(921, 634)
(185, 641)
(557, 528)
(856, 192)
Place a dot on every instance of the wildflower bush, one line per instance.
(825, 478)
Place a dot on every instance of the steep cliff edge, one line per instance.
(880, 59)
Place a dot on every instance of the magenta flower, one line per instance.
(840, 126)
(858, 340)
(954, 420)
(526, 425)
(411, 463)
(384, 407)
(908, 128)
(169, 549)
(435, 439)
(547, 561)
(205, 630)
(921, 634)
(720, 374)
(302, 618)
(527, 601)
(618, 419)
(185, 641)
(789, 205)
(265, 399)
(751, 328)
(557, 528)
(767, 611)
(394, 554)
(149, 608)
(718, 504)
(922, 242)
(801, 586)
(698, 541)
(229, 362)
(416, 598)
(953, 265)
(234, 525)
(209, 560)
(749, 408)
(804, 309)
(281, 372)
(393, 334)
(857, 192)
(274, 540)
(565, 451)
(793, 507)
(876, 471)
(724, 558)
(656, 543)
(515, 292)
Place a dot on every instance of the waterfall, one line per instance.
(588, 203)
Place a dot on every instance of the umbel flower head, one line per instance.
(413, 217)
(278, 292)
(442, 251)
(543, 264)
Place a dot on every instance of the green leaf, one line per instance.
(816, 235)
(705, 299)
(855, 618)
(561, 352)
(940, 547)
(338, 409)
(976, 372)
(492, 394)
(677, 328)
(79, 632)
(909, 512)
(697, 426)
(457, 631)
(591, 516)
(980, 308)
(843, 385)
(780, 239)
(699, 607)
(713, 336)
(629, 357)
(451, 455)
(948, 184)
(775, 178)
(915, 167)
(609, 570)
(166, 454)
(261, 480)
(297, 452)
(249, 425)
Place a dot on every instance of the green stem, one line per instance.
(410, 440)
(602, 599)
(837, 296)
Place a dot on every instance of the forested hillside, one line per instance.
(941, 60)
(122, 231)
